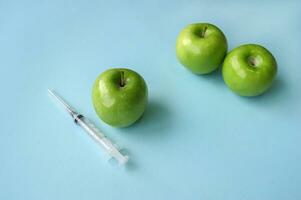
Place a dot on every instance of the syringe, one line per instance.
(100, 138)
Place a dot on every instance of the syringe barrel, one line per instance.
(100, 138)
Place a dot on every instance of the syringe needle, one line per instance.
(67, 107)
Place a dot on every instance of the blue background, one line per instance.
(197, 140)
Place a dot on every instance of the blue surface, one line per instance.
(197, 140)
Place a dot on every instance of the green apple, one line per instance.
(119, 96)
(249, 70)
(201, 47)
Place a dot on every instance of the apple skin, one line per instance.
(249, 70)
(119, 104)
(201, 47)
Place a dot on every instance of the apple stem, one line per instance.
(122, 82)
(204, 31)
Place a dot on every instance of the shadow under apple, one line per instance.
(154, 122)
(152, 127)
(277, 99)
(214, 77)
